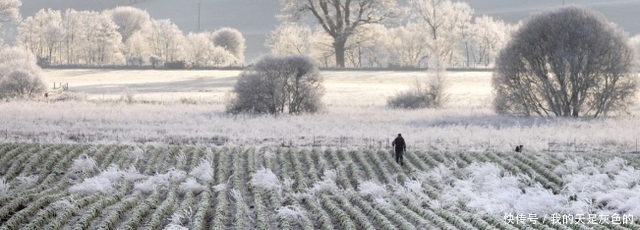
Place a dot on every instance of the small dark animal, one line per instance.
(519, 148)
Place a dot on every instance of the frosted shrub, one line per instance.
(276, 85)
(264, 178)
(128, 96)
(19, 74)
(431, 95)
(68, 96)
(411, 99)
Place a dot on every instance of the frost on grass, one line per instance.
(373, 189)
(83, 164)
(607, 189)
(204, 171)
(161, 181)
(219, 187)
(191, 185)
(411, 189)
(327, 184)
(264, 178)
(26, 181)
(4, 187)
(180, 218)
(485, 189)
(136, 154)
(291, 212)
(93, 185)
(64, 204)
(107, 181)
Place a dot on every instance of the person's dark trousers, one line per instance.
(399, 157)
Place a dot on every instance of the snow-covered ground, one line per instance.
(355, 115)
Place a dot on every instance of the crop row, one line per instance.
(319, 188)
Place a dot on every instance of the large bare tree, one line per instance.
(340, 18)
(565, 62)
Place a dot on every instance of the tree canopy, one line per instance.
(565, 62)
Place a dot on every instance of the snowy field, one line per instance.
(172, 159)
(354, 115)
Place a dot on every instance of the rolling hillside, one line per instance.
(255, 18)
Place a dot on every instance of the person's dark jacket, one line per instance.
(399, 144)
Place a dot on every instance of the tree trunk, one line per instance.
(339, 45)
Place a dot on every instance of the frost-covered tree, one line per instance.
(278, 84)
(129, 20)
(340, 18)
(221, 57)
(447, 22)
(73, 37)
(634, 42)
(20, 76)
(566, 62)
(322, 49)
(42, 34)
(489, 36)
(165, 40)
(369, 46)
(9, 12)
(410, 45)
(364, 46)
(102, 40)
(289, 39)
(231, 40)
(199, 49)
(73, 23)
(137, 47)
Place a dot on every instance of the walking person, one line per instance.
(400, 147)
